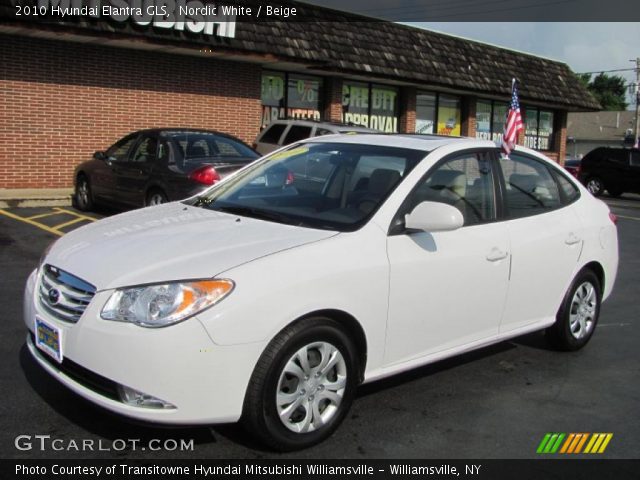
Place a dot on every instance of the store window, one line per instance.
(448, 115)
(538, 129)
(370, 105)
(302, 97)
(437, 113)
(490, 119)
(426, 112)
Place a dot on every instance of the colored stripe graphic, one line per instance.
(573, 443)
(550, 443)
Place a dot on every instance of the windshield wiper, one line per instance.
(201, 201)
(256, 213)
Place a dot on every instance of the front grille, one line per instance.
(63, 295)
(87, 378)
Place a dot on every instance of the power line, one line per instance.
(609, 71)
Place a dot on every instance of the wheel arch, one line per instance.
(352, 328)
(596, 268)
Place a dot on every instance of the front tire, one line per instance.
(303, 385)
(595, 185)
(577, 318)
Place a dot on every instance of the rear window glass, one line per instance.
(193, 146)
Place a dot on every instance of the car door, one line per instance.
(447, 289)
(104, 178)
(134, 174)
(546, 241)
(634, 172)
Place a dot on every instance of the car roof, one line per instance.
(412, 141)
(174, 130)
(320, 123)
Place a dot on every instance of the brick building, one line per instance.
(68, 88)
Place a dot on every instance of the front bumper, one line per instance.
(179, 364)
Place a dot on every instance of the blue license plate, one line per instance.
(49, 339)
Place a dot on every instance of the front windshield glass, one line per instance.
(332, 186)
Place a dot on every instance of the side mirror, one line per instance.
(99, 155)
(434, 217)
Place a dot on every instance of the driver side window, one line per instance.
(464, 182)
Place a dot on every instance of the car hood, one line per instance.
(170, 242)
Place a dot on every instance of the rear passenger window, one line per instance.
(568, 190)
(297, 132)
(530, 188)
(273, 133)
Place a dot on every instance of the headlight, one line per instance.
(164, 304)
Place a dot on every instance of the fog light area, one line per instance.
(136, 398)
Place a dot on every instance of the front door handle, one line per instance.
(572, 239)
(496, 254)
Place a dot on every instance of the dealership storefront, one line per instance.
(68, 89)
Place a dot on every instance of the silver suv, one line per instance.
(284, 132)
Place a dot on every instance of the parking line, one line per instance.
(31, 222)
(75, 214)
(42, 215)
(70, 222)
(56, 230)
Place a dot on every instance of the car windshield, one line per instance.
(333, 186)
(196, 146)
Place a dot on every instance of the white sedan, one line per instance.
(333, 262)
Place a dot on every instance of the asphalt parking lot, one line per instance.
(494, 403)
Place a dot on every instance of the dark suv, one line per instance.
(616, 170)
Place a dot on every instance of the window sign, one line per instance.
(448, 115)
(301, 98)
(538, 129)
(425, 113)
(384, 109)
(355, 103)
(273, 96)
(545, 130)
(373, 106)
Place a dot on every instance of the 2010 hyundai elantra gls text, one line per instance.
(332, 262)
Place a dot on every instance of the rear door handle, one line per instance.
(572, 239)
(496, 254)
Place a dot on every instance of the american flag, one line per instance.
(514, 124)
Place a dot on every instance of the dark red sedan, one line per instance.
(150, 167)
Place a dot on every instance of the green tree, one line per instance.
(610, 91)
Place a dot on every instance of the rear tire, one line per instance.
(595, 185)
(578, 315)
(155, 197)
(302, 386)
(614, 192)
(83, 198)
